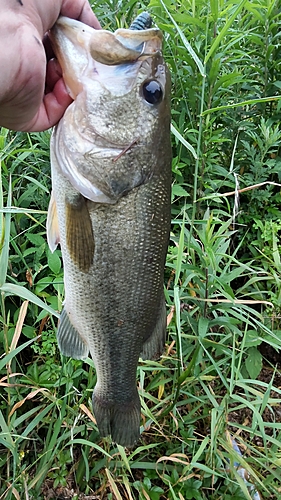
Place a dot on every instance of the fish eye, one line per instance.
(152, 92)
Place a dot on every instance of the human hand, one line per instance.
(33, 96)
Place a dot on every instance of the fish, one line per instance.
(110, 209)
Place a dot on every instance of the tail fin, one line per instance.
(120, 420)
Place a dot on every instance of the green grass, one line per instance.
(222, 286)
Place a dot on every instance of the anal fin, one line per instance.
(154, 345)
(70, 341)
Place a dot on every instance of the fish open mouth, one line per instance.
(72, 41)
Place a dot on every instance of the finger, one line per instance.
(51, 109)
(88, 17)
(80, 10)
(53, 74)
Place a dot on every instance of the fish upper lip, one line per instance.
(124, 45)
(73, 23)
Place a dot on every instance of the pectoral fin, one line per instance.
(79, 233)
(53, 235)
(70, 342)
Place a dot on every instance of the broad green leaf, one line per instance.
(54, 262)
(188, 146)
(178, 190)
(252, 339)
(36, 239)
(253, 362)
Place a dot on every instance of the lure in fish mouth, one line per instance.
(125, 46)
(110, 208)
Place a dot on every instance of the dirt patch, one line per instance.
(270, 354)
(271, 413)
(64, 493)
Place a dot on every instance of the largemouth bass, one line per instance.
(110, 209)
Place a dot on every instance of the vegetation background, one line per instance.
(211, 414)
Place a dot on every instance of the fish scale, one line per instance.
(110, 212)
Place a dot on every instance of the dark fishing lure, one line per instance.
(142, 22)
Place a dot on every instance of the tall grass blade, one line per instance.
(26, 294)
(6, 434)
(241, 104)
(224, 30)
(113, 485)
(185, 42)
(188, 146)
(5, 224)
(4, 361)
(85, 442)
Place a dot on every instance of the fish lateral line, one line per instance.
(133, 143)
